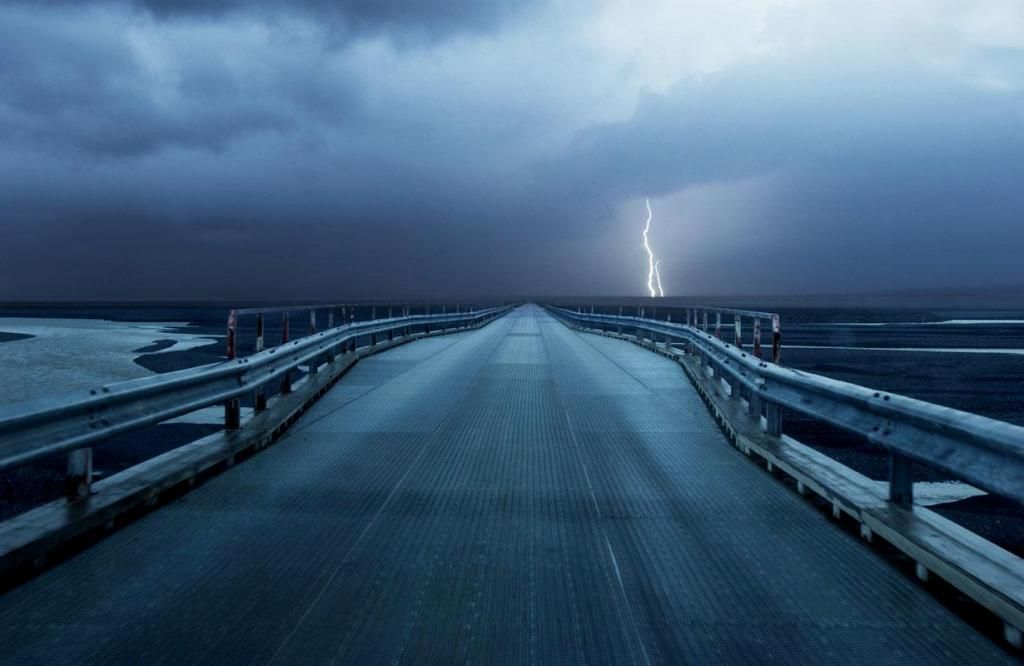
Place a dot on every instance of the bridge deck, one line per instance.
(519, 494)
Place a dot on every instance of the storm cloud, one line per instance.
(266, 150)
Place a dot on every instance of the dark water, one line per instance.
(887, 349)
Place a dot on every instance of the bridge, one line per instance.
(514, 486)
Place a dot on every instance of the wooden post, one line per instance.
(259, 401)
(314, 363)
(757, 337)
(773, 416)
(78, 482)
(286, 379)
(776, 339)
(233, 407)
(901, 480)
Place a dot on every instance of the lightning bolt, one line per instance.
(652, 266)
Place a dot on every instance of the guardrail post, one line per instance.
(776, 339)
(330, 325)
(757, 338)
(233, 407)
(738, 326)
(754, 406)
(314, 363)
(704, 327)
(773, 417)
(259, 399)
(901, 480)
(78, 482)
(718, 325)
(620, 320)
(232, 325)
(286, 379)
(667, 320)
(352, 320)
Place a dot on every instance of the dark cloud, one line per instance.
(199, 157)
(879, 180)
(430, 19)
(65, 88)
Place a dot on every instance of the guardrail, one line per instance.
(73, 422)
(346, 313)
(697, 317)
(983, 452)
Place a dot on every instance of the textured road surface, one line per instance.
(521, 494)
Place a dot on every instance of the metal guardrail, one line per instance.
(983, 452)
(698, 318)
(346, 313)
(70, 423)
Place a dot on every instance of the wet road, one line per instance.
(517, 494)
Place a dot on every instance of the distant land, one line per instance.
(1002, 296)
(973, 297)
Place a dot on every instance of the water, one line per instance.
(967, 359)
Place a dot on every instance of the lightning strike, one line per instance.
(653, 274)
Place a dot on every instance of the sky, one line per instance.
(337, 149)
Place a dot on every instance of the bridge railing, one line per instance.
(981, 451)
(335, 313)
(72, 423)
(705, 318)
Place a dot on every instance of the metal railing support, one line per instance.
(773, 418)
(738, 330)
(757, 338)
(78, 482)
(233, 407)
(754, 407)
(901, 480)
(259, 399)
(314, 363)
(286, 379)
(776, 339)
(330, 324)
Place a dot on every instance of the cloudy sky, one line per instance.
(161, 149)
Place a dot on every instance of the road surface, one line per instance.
(520, 494)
